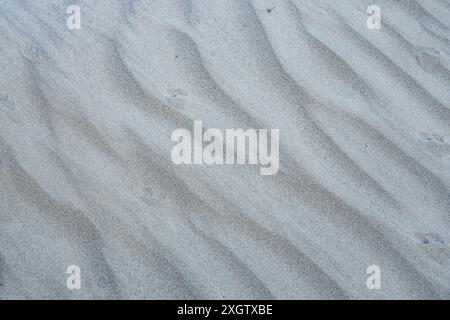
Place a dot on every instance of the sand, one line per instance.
(86, 176)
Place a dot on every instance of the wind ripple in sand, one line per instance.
(86, 176)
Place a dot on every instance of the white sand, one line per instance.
(85, 171)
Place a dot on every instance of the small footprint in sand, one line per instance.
(6, 103)
(446, 160)
(435, 246)
(429, 59)
(33, 53)
(430, 239)
(437, 143)
(431, 137)
(7, 107)
(155, 197)
(176, 97)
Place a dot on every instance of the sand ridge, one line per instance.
(86, 176)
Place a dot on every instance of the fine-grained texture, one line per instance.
(86, 176)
